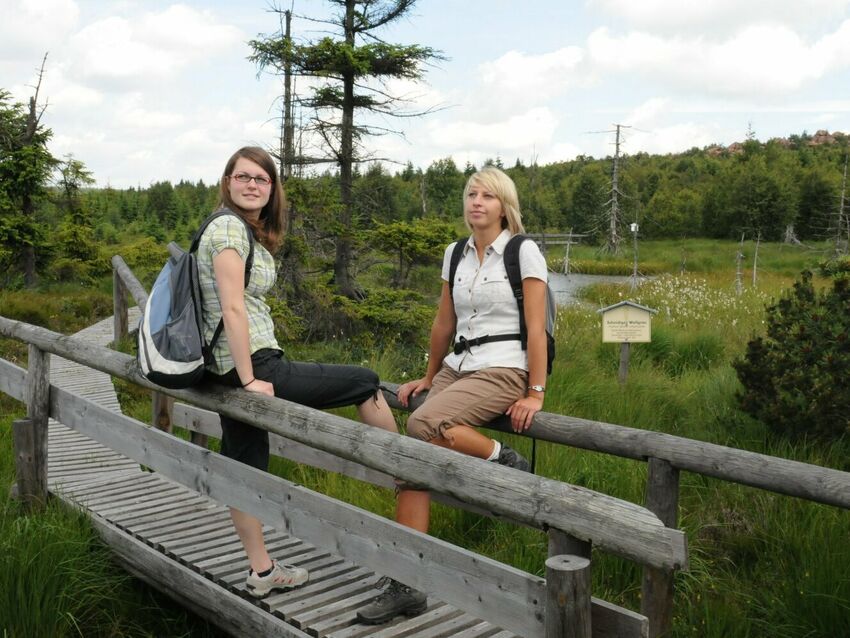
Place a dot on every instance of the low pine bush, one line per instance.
(796, 378)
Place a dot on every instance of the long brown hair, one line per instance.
(270, 227)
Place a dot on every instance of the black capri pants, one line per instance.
(316, 385)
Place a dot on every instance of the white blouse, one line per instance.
(485, 305)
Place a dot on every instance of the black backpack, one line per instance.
(511, 258)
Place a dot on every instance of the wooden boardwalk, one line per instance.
(191, 538)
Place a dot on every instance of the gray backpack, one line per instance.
(172, 351)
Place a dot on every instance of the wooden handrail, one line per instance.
(140, 296)
(793, 478)
(617, 526)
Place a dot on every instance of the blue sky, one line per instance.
(155, 90)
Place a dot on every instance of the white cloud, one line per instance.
(720, 18)
(520, 132)
(531, 77)
(123, 52)
(758, 61)
(30, 29)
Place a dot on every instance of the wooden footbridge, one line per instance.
(161, 503)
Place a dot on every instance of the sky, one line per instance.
(147, 91)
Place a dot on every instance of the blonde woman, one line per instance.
(477, 366)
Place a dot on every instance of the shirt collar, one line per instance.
(498, 244)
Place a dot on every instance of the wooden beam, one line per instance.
(811, 482)
(119, 308)
(140, 296)
(33, 484)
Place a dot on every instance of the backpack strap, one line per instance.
(511, 259)
(196, 240)
(457, 255)
(249, 264)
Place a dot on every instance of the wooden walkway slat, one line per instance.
(186, 534)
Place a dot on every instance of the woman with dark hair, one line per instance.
(247, 354)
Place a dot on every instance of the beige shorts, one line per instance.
(466, 398)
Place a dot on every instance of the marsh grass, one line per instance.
(762, 565)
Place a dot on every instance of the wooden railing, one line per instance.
(559, 606)
(666, 456)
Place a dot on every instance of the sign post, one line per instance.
(626, 323)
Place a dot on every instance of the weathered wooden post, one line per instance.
(162, 407)
(563, 543)
(119, 308)
(30, 435)
(662, 499)
(567, 597)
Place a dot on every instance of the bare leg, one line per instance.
(414, 509)
(466, 439)
(377, 413)
(250, 531)
(414, 506)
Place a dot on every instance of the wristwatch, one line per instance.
(537, 388)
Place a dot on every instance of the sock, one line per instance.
(494, 455)
(265, 573)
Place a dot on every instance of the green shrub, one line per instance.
(797, 378)
(835, 267)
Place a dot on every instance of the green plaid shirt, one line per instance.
(228, 232)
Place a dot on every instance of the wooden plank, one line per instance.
(438, 613)
(199, 512)
(216, 532)
(446, 629)
(333, 615)
(481, 630)
(612, 621)
(221, 565)
(320, 601)
(228, 611)
(196, 530)
(338, 575)
(12, 380)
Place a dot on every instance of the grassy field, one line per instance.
(761, 564)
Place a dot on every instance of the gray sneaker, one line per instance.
(512, 458)
(282, 577)
(397, 598)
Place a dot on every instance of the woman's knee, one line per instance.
(420, 427)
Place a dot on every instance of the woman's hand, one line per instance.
(522, 412)
(411, 389)
(260, 387)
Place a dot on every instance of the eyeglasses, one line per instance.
(244, 178)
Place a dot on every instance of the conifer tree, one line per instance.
(352, 69)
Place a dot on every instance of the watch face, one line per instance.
(536, 388)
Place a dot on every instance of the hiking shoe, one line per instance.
(281, 577)
(512, 458)
(397, 598)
